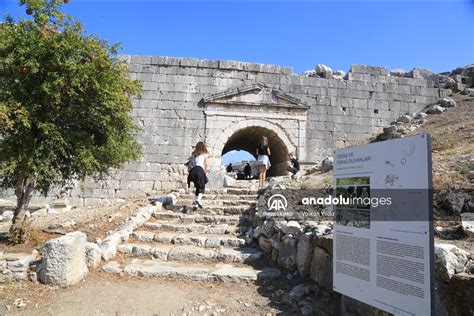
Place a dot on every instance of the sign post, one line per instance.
(383, 227)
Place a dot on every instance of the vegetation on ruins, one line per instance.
(65, 105)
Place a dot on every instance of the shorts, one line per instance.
(263, 160)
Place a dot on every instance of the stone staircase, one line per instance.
(202, 244)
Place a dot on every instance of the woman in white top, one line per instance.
(197, 174)
(263, 160)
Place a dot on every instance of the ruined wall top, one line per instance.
(204, 63)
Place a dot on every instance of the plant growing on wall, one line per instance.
(65, 105)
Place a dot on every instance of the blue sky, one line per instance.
(438, 35)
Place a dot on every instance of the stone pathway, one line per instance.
(199, 244)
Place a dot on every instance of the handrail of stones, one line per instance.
(66, 260)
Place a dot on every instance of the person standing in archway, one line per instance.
(263, 162)
(248, 171)
(198, 173)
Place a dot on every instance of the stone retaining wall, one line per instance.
(305, 248)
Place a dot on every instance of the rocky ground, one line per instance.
(108, 294)
(93, 221)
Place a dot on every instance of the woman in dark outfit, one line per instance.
(296, 165)
(197, 174)
(263, 162)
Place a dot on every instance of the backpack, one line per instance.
(191, 163)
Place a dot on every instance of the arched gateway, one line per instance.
(237, 118)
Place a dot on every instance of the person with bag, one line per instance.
(198, 164)
(263, 162)
(294, 164)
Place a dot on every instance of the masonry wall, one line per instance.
(342, 111)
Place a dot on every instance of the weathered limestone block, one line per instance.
(323, 71)
(467, 220)
(449, 260)
(287, 253)
(397, 72)
(268, 228)
(112, 267)
(321, 268)
(291, 228)
(143, 236)
(304, 254)
(265, 244)
(141, 250)
(229, 182)
(125, 248)
(108, 247)
(93, 255)
(18, 266)
(454, 202)
(371, 70)
(216, 179)
(64, 260)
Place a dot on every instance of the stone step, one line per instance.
(194, 239)
(220, 229)
(187, 253)
(201, 218)
(225, 196)
(218, 202)
(193, 271)
(210, 209)
(231, 191)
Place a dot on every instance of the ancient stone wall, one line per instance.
(188, 100)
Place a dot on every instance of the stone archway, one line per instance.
(245, 135)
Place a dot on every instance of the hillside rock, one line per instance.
(327, 164)
(435, 109)
(420, 116)
(390, 130)
(404, 119)
(447, 102)
(454, 202)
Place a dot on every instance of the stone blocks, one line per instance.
(64, 260)
(173, 118)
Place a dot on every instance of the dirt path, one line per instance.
(104, 294)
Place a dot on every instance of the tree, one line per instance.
(65, 104)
